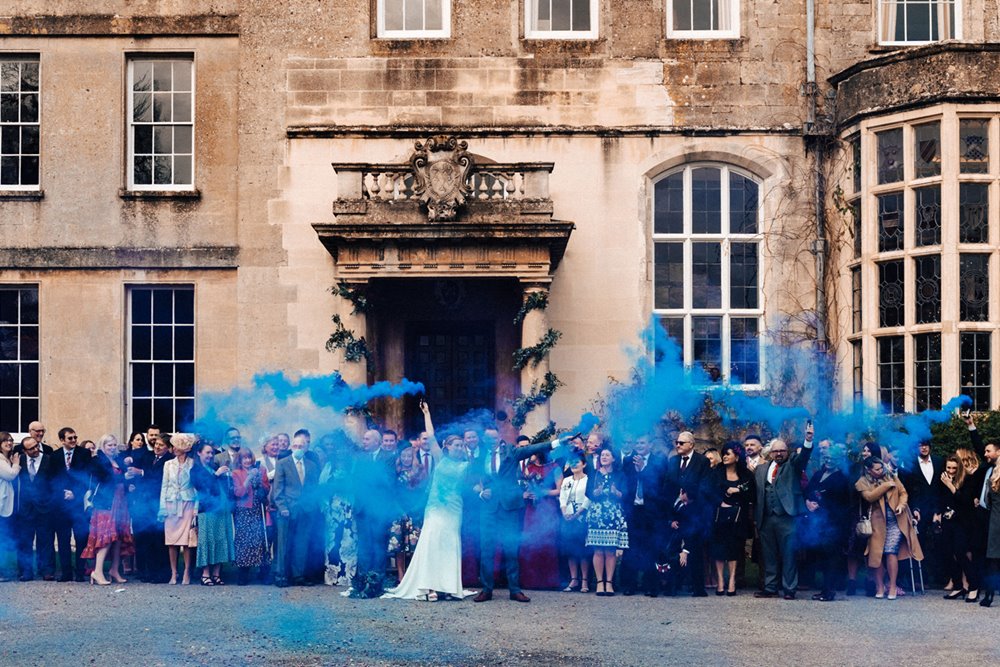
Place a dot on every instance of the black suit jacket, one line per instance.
(75, 479)
(654, 486)
(924, 497)
(505, 492)
(33, 499)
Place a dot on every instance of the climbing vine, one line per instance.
(357, 298)
(537, 396)
(534, 354)
(342, 338)
(535, 301)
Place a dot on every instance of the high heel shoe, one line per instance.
(93, 580)
(600, 593)
(572, 588)
(585, 586)
(117, 578)
(954, 595)
(987, 600)
(218, 581)
(207, 581)
(608, 591)
(973, 596)
(720, 592)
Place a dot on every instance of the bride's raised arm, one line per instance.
(436, 450)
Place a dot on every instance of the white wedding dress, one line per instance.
(437, 560)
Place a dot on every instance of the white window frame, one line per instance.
(530, 8)
(383, 33)
(27, 57)
(957, 5)
(725, 239)
(733, 32)
(130, 360)
(130, 124)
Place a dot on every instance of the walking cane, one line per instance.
(263, 522)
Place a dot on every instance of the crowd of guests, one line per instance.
(649, 515)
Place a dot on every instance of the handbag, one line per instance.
(88, 498)
(727, 516)
(864, 525)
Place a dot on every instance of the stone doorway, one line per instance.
(456, 335)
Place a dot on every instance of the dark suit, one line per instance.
(300, 533)
(150, 550)
(825, 530)
(925, 497)
(647, 521)
(696, 481)
(68, 516)
(33, 508)
(503, 512)
(778, 507)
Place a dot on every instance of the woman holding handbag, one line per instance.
(893, 536)
(735, 489)
(110, 529)
(215, 515)
(178, 505)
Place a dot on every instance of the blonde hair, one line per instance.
(967, 456)
(183, 441)
(960, 475)
(995, 478)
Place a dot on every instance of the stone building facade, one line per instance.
(183, 183)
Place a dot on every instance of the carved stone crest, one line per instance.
(441, 168)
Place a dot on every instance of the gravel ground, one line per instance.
(75, 624)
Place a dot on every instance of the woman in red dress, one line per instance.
(109, 524)
(539, 558)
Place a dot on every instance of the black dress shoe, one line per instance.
(79, 578)
(987, 599)
(65, 580)
(628, 591)
(519, 597)
(824, 597)
(651, 594)
(954, 595)
(25, 577)
(49, 577)
(790, 596)
(483, 596)
(281, 583)
(700, 593)
(765, 594)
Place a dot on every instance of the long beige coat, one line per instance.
(878, 496)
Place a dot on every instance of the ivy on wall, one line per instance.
(342, 338)
(537, 396)
(534, 354)
(535, 301)
(357, 298)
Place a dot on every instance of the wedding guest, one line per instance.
(607, 530)
(251, 488)
(539, 557)
(957, 520)
(411, 490)
(33, 512)
(215, 515)
(10, 468)
(178, 505)
(110, 529)
(734, 491)
(70, 478)
(573, 502)
(335, 494)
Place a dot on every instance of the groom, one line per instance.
(501, 511)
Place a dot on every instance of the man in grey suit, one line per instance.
(779, 504)
(295, 493)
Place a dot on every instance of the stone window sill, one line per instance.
(22, 195)
(159, 194)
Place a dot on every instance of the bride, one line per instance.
(436, 568)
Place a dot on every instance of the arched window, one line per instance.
(706, 257)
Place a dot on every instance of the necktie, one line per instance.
(302, 472)
(774, 473)
(984, 495)
(31, 467)
(494, 461)
(684, 462)
(69, 456)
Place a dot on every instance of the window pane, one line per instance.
(744, 350)
(142, 342)
(891, 294)
(182, 170)
(706, 201)
(29, 170)
(162, 170)
(142, 413)
(182, 107)
(142, 107)
(9, 108)
(669, 275)
(184, 343)
(890, 155)
(142, 173)
(891, 374)
(856, 300)
(975, 368)
(162, 108)
(743, 275)
(29, 305)
(702, 14)
(29, 108)
(163, 380)
(163, 343)
(162, 75)
(890, 222)
(561, 14)
(142, 306)
(29, 139)
(10, 139)
(927, 371)
(581, 15)
(706, 340)
(928, 289)
(856, 219)
(706, 275)
(163, 139)
(683, 15)
(142, 380)
(184, 306)
(668, 205)
(928, 212)
(8, 343)
(182, 75)
(974, 146)
(674, 327)
(973, 213)
(857, 371)
(142, 75)
(29, 343)
(143, 141)
(185, 380)
(743, 204)
(8, 306)
(10, 76)
(927, 150)
(856, 163)
(163, 306)
(974, 288)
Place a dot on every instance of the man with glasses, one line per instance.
(230, 455)
(779, 505)
(70, 475)
(33, 509)
(36, 430)
(689, 472)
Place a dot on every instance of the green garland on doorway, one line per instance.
(357, 298)
(354, 348)
(534, 354)
(534, 301)
(525, 403)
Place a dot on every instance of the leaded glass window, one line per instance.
(890, 156)
(856, 302)
(669, 281)
(857, 371)
(974, 145)
(891, 374)
(975, 369)
(927, 230)
(890, 221)
(974, 288)
(891, 301)
(856, 219)
(706, 340)
(856, 163)
(973, 213)
(927, 299)
(744, 362)
(927, 150)
(927, 371)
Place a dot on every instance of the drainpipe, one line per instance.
(819, 248)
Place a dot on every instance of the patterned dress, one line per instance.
(249, 519)
(340, 544)
(606, 526)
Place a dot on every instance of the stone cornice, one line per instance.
(109, 25)
(98, 258)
